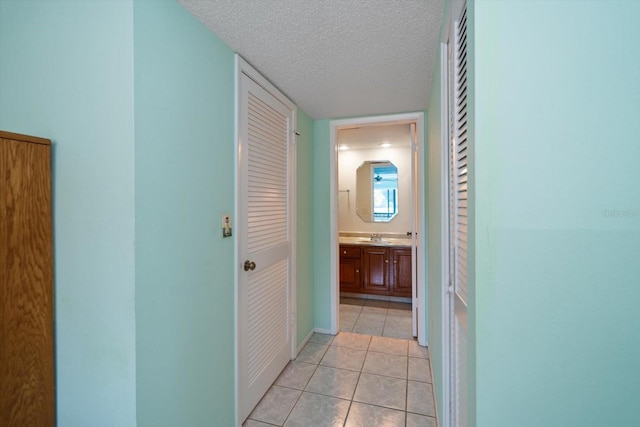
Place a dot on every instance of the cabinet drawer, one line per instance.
(349, 251)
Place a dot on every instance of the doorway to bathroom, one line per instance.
(377, 226)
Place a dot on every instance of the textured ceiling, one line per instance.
(334, 58)
(367, 137)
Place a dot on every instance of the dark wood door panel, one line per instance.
(376, 269)
(402, 272)
(26, 283)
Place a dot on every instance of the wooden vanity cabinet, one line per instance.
(350, 277)
(375, 270)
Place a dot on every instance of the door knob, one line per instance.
(249, 265)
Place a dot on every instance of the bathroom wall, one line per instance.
(348, 163)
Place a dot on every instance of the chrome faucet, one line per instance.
(376, 237)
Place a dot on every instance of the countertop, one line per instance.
(366, 241)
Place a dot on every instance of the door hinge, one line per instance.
(450, 287)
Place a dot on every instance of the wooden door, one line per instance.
(265, 236)
(350, 269)
(26, 283)
(375, 262)
(402, 272)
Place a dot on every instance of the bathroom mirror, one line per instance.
(377, 191)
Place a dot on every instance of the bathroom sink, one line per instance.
(367, 239)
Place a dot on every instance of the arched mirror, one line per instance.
(377, 191)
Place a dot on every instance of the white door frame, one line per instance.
(334, 126)
(445, 243)
(243, 67)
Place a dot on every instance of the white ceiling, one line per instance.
(367, 137)
(334, 58)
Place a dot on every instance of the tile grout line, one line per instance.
(367, 350)
(306, 384)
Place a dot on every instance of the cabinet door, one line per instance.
(402, 276)
(376, 269)
(350, 275)
(350, 278)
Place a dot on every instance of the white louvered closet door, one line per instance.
(458, 177)
(264, 234)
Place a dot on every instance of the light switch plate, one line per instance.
(226, 226)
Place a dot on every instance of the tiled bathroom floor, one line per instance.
(351, 380)
(374, 317)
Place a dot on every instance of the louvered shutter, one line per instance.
(265, 152)
(460, 152)
(267, 228)
(460, 148)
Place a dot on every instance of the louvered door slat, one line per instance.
(265, 113)
(461, 144)
(262, 140)
(264, 116)
(268, 316)
(266, 161)
(267, 171)
(266, 178)
(458, 100)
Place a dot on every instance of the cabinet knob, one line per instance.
(357, 271)
(344, 252)
(395, 261)
(387, 261)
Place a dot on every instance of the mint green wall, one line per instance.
(558, 213)
(66, 73)
(305, 219)
(434, 189)
(321, 235)
(473, 229)
(184, 92)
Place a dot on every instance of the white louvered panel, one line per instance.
(268, 326)
(264, 116)
(267, 200)
(461, 156)
(264, 176)
(264, 158)
(461, 419)
(265, 239)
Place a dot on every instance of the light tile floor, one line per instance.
(375, 317)
(351, 380)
